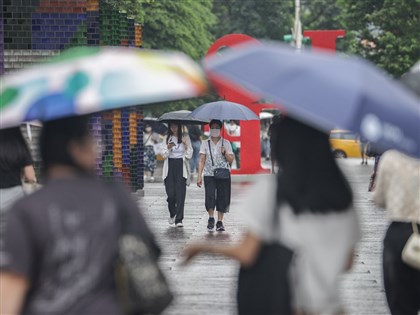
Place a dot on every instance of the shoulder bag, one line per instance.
(264, 288)
(411, 252)
(141, 285)
(219, 173)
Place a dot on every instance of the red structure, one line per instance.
(325, 39)
(250, 154)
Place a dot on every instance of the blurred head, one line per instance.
(147, 128)
(215, 126)
(14, 151)
(68, 142)
(175, 129)
(310, 179)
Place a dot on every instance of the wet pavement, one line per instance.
(208, 284)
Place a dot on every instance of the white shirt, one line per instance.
(178, 151)
(218, 158)
(234, 131)
(398, 186)
(188, 151)
(322, 244)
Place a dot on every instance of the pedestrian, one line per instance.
(315, 219)
(215, 153)
(363, 144)
(265, 141)
(150, 139)
(177, 152)
(61, 242)
(195, 136)
(15, 164)
(234, 130)
(373, 151)
(274, 122)
(398, 192)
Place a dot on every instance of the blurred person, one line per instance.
(234, 130)
(61, 242)
(215, 153)
(398, 192)
(176, 152)
(363, 144)
(195, 133)
(276, 120)
(15, 164)
(265, 141)
(150, 139)
(316, 218)
(373, 151)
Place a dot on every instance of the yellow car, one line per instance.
(344, 144)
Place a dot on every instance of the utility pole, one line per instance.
(297, 30)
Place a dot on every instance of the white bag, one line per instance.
(411, 252)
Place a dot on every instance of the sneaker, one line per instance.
(210, 224)
(152, 179)
(219, 226)
(171, 220)
(179, 224)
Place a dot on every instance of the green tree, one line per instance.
(183, 25)
(383, 31)
(320, 15)
(270, 19)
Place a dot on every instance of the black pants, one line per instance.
(402, 282)
(217, 194)
(176, 188)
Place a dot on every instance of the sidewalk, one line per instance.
(208, 285)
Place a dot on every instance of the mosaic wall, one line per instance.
(32, 30)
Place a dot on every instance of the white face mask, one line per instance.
(215, 133)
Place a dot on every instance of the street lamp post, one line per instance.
(297, 31)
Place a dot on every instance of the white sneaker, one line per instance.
(152, 179)
(171, 220)
(179, 224)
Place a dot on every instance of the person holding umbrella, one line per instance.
(215, 154)
(175, 173)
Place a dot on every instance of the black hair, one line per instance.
(57, 135)
(179, 133)
(14, 152)
(310, 179)
(216, 121)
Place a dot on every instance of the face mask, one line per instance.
(215, 133)
(148, 129)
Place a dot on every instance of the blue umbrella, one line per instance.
(223, 110)
(324, 90)
(182, 117)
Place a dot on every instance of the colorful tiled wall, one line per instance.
(32, 30)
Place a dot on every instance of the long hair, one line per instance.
(310, 179)
(14, 152)
(178, 135)
(57, 135)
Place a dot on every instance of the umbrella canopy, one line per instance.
(324, 90)
(90, 79)
(183, 117)
(223, 110)
(411, 79)
(157, 126)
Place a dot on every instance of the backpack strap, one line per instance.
(211, 155)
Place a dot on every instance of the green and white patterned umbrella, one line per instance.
(90, 79)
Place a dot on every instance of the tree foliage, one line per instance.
(384, 31)
(320, 15)
(258, 18)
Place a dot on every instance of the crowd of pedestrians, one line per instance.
(60, 245)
